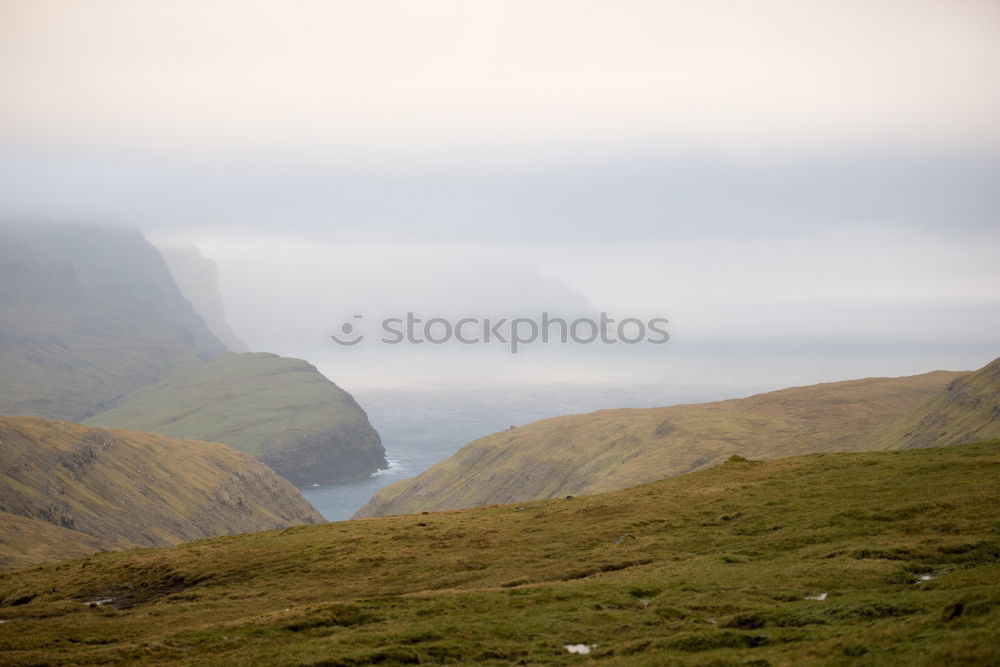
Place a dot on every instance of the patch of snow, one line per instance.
(582, 649)
(924, 577)
(817, 596)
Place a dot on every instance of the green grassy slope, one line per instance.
(721, 566)
(130, 488)
(967, 411)
(614, 449)
(25, 541)
(282, 411)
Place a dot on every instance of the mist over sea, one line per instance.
(425, 413)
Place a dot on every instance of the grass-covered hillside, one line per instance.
(282, 411)
(127, 488)
(614, 449)
(889, 558)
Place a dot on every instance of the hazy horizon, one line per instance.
(768, 176)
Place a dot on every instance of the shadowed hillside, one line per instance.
(890, 558)
(138, 489)
(614, 449)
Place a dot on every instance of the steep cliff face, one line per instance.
(615, 449)
(129, 488)
(121, 268)
(279, 410)
(968, 410)
(94, 328)
(198, 278)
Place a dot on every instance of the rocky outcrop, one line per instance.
(129, 488)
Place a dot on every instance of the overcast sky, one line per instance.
(763, 157)
(371, 78)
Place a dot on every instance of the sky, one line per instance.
(764, 171)
(372, 78)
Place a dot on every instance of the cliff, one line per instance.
(281, 411)
(86, 319)
(198, 279)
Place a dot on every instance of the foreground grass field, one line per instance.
(876, 558)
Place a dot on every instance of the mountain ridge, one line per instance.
(613, 449)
